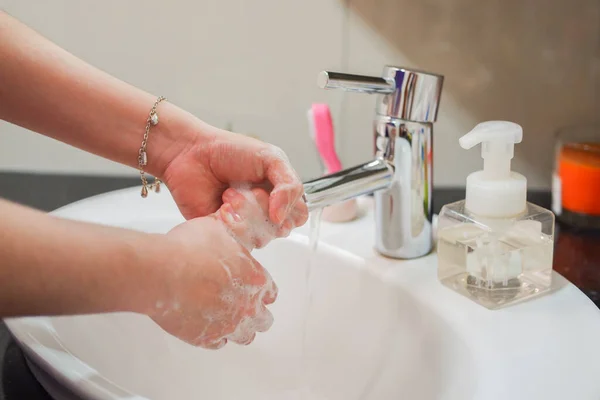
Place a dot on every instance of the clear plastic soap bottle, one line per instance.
(494, 247)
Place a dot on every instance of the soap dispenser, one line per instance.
(494, 247)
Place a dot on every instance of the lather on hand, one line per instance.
(216, 290)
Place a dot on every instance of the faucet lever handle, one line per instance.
(355, 83)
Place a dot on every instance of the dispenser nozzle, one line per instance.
(497, 140)
(504, 131)
(495, 191)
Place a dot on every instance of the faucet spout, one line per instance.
(349, 183)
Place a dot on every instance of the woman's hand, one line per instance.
(198, 282)
(200, 173)
(212, 290)
(215, 290)
(245, 211)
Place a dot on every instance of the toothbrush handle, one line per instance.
(355, 83)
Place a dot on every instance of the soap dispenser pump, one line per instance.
(494, 247)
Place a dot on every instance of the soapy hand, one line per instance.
(214, 290)
(198, 176)
(245, 211)
(219, 292)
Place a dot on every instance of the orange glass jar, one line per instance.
(576, 179)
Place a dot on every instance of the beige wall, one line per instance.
(253, 64)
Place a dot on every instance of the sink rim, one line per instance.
(413, 277)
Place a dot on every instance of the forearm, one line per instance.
(53, 266)
(46, 89)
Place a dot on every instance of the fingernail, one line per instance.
(220, 344)
(248, 340)
(229, 214)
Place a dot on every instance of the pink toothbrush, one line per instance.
(321, 129)
(322, 132)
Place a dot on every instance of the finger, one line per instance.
(264, 230)
(233, 158)
(271, 164)
(244, 332)
(297, 217)
(264, 320)
(260, 277)
(283, 199)
(300, 214)
(238, 158)
(252, 205)
(287, 187)
(219, 344)
(252, 273)
(228, 215)
(262, 199)
(233, 197)
(270, 291)
(235, 226)
(285, 229)
(231, 214)
(248, 340)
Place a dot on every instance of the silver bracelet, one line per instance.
(143, 155)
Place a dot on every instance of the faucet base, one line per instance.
(403, 211)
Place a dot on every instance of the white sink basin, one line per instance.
(377, 329)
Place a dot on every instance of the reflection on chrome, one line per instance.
(401, 174)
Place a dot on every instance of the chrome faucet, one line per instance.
(400, 176)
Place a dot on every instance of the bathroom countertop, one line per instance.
(577, 254)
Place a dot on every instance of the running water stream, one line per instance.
(315, 224)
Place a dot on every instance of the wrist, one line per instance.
(146, 286)
(176, 133)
